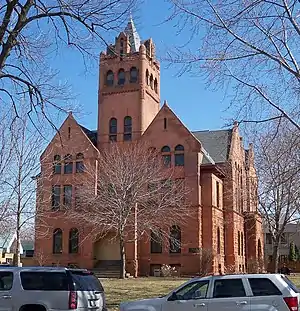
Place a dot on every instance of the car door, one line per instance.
(229, 294)
(191, 297)
(6, 284)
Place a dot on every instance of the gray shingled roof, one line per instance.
(216, 143)
(92, 135)
(134, 38)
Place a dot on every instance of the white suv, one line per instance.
(50, 289)
(247, 292)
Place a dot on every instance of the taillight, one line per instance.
(292, 303)
(73, 300)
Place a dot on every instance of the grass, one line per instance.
(131, 289)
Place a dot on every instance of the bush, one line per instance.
(167, 271)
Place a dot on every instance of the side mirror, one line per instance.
(173, 297)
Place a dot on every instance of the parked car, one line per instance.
(247, 292)
(47, 288)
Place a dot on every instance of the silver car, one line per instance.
(50, 289)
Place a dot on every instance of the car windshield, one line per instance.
(86, 281)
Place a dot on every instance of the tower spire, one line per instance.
(134, 38)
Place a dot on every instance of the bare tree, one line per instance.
(134, 195)
(278, 170)
(250, 46)
(32, 32)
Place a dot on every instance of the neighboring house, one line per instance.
(291, 234)
(8, 245)
(216, 163)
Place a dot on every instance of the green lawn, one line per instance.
(131, 289)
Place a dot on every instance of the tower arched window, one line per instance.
(57, 164)
(218, 241)
(121, 77)
(155, 85)
(57, 241)
(179, 155)
(109, 78)
(73, 241)
(133, 75)
(175, 239)
(147, 77)
(113, 129)
(151, 81)
(166, 155)
(127, 128)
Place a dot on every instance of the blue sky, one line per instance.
(196, 106)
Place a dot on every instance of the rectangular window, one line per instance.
(227, 288)
(113, 137)
(46, 281)
(263, 287)
(179, 159)
(156, 243)
(218, 193)
(79, 167)
(55, 197)
(268, 238)
(57, 168)
(127, 137)
(283, 239)
(68, 195)
(6, 280)
(167, 160)
(68, 168)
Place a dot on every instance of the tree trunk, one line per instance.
(123, 259)
(275, 258)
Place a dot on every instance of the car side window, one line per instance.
(225, 288)
(6, 280)
(193, 290)
(263, 287)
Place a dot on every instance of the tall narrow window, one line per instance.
(218, 241)
(239, 243)
(218, 193)
(122, 47)
(68, 195)
(156, 243)
(69, 132)
(165, 123)
(242, 244)
(121, 77)
(127, 128)
(147, 77)
(113, 127)
(79, 163)
(151, 81)
(109, 78)
(73, 241)
(133, 75)
(57, 241)
(68, 166)
(57, 164)
(166, 155)
(259, 251)
(55, 197)
(155, 85)
(175, 239)
(179, 155)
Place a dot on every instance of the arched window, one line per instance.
(73, 241)
(147, 77)
(133, 75)
(218, 241)
(79, 163)
(121, 77)
(156, 242)
(127, 128)
(109, 78)
(175, 239)
(57, 241)
(259, 252)
(113, 129)
(179, 155)
(155, 85)
(151, 81)
(166, 155)
(68, 167)
(57, 164)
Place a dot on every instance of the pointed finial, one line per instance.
(165, 102)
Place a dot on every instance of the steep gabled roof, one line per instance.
(92, 135)
(216, 143)
(133, 36)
